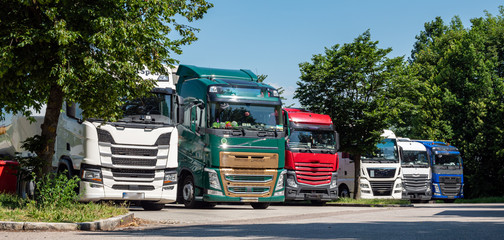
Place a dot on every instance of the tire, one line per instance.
(260, 205)
(26, 188)
(344, 192)
(152, 206)
(188, 193)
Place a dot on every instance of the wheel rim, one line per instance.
(188, 191)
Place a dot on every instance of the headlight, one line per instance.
(398, 185)
(280, 182)
(436, 188)
(92, 175)
(333, 184)
(170, 177)
(213, 179)
(364, 185)
(291, 181)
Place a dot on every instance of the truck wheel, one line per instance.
(152, 206)
(343, 192)
(188, 193)
(260, 205)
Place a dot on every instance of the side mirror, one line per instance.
(70, 109)
(336, 139)
(180, 109)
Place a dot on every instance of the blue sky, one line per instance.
(272, 37)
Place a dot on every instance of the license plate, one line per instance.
(127, 195)
(313, 196)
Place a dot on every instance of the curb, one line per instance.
(369, 205)
(100, 225)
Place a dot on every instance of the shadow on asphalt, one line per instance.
(373, 230)
(461, 205)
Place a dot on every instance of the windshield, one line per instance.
(386, 151)
(245, 116)
(448, 160)
(156, 108)
(414, 158)
(311, 139)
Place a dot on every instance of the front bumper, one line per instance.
(295, 190)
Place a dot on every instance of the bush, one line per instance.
(56, 190)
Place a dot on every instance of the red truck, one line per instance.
(311, 157)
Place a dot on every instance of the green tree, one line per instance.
(463, 105)
(87, 52)
(351, 83)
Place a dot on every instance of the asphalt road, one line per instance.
(424, 221)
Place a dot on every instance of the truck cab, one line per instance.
(311, 157)
(133, 159)
(232, 143)
(447, 170)
(416, 171)
(381, 170)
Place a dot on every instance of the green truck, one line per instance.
(232, 139)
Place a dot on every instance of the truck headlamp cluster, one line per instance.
(213, 89)
(281, 182)
(291, 182)
(364, 185)
(170, 178)
(334, 183)
(92, 175)
(436, 188)
(213, 179)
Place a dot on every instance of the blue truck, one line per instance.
(447, 170)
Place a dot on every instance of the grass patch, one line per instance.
(13, 208)
(371, 201)
(481, 200)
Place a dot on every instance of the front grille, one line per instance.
(313, 178)
(248, 178)
(381, 172)
(133, 187)
(450, 186)
(416, 182)
(249, 190)
(314, 173)
(382, 188)
(449, 180)
(133, 173)
(134, 151)
(134, 162)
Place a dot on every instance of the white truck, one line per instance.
(346, 173)
(416, 171)
(132, 159)
(380, 171)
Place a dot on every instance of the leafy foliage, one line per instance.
(350, 83)
(459, 96)
(90, 49)
(89, 52)
(55, 190)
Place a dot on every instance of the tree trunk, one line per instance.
(357, 171)
(49, 127)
